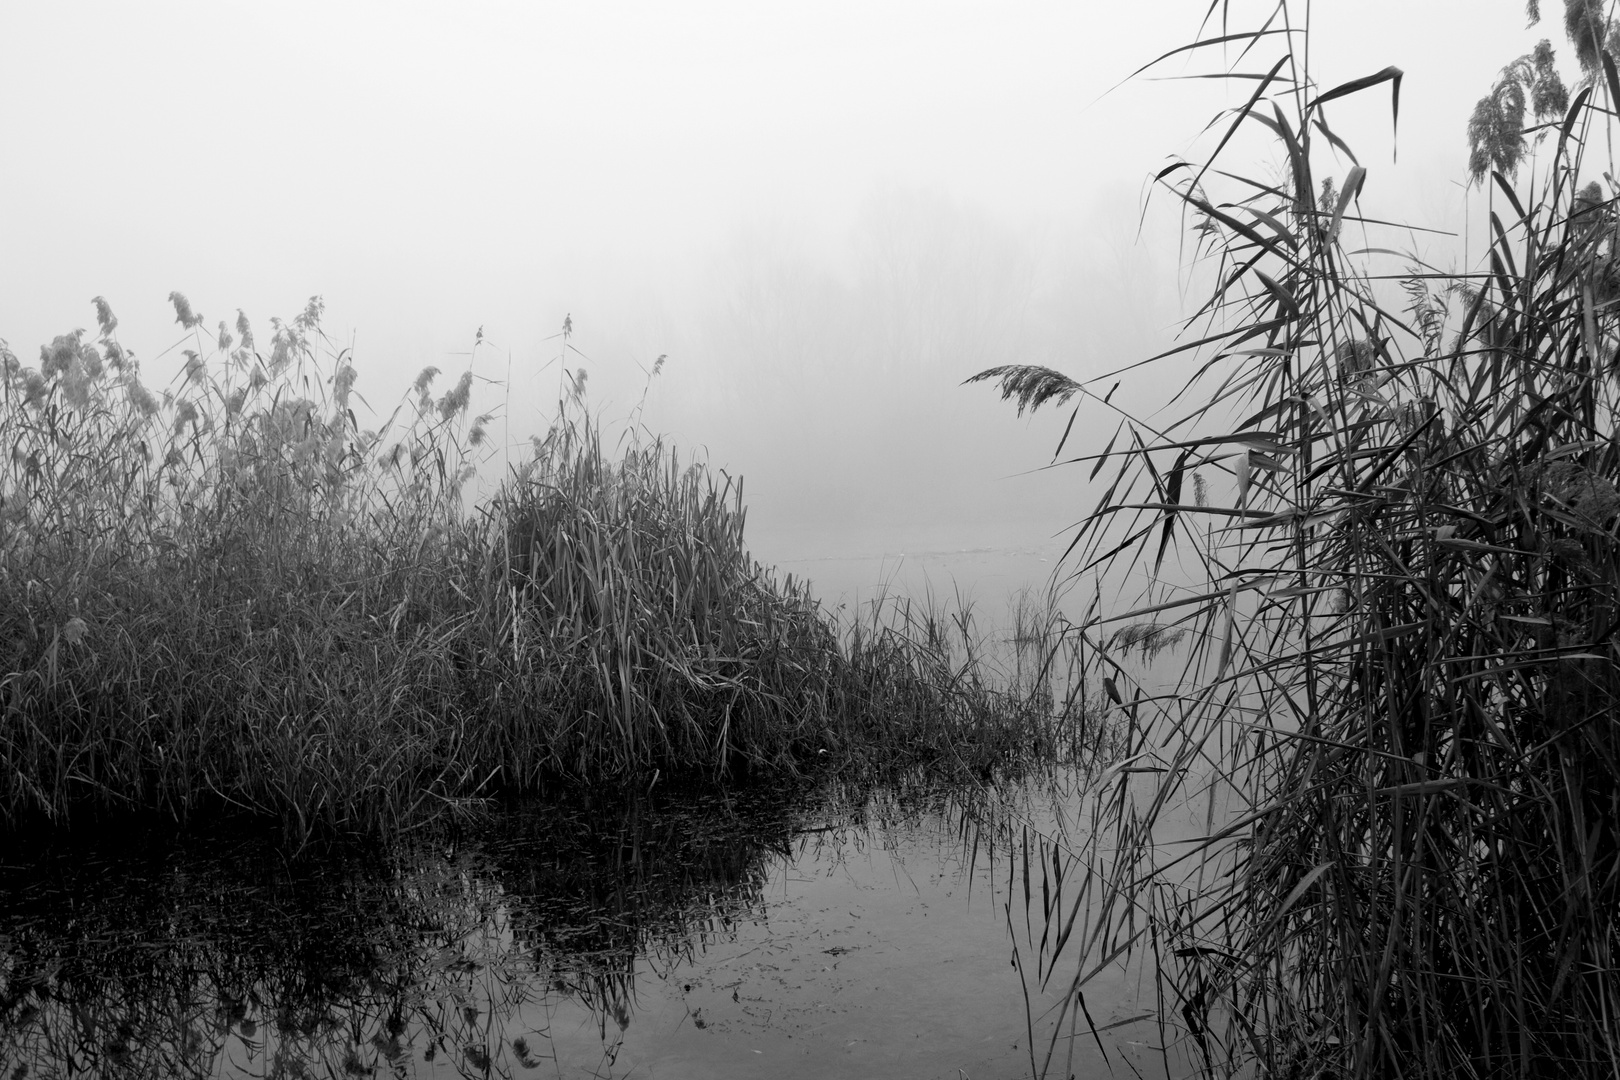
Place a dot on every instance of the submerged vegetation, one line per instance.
(229, 596)
(1374, 829)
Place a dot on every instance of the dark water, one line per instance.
(811, 933)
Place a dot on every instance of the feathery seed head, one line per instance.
(59, 356)
(76, 392)
(425, 378)
(453, 403)
(1548, 96)
(310, 318)
(90, 362)
(342, 382)
(243, 330)
(1587, 28)
(104, 316)
(34, 387)
(225, 338)
(1031, 384)
(140, 398)
(1496, 128)
(282, 346)
(195, 368)
(185, 414)
(182, 311)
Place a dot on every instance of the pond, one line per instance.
(815, 932)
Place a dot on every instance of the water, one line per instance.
(990, 579)
(786, 934)
(806, 933)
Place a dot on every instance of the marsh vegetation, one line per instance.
(229, 597)
(1366, 826)
(1384, 516)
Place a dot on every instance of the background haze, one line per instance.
(825, 215)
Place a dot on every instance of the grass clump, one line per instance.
(228, 595)
(1374, 830)
(632, 629)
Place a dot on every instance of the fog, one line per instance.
(825, 216)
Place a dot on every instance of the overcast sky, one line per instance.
(826, 214)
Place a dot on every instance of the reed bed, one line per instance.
(1374, 829)
(229, 596)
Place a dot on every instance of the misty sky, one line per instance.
(827, 215)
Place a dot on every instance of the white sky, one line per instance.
(827, 214)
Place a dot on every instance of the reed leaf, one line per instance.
(1401, 744)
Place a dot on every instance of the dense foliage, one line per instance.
(1388, 523)
(231, 596)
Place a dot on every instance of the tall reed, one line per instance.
(1375, 828)
(231, 596)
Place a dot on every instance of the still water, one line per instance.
(814, 932)
(806, 933)
(986, 580)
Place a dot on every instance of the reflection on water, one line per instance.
(776, 933)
